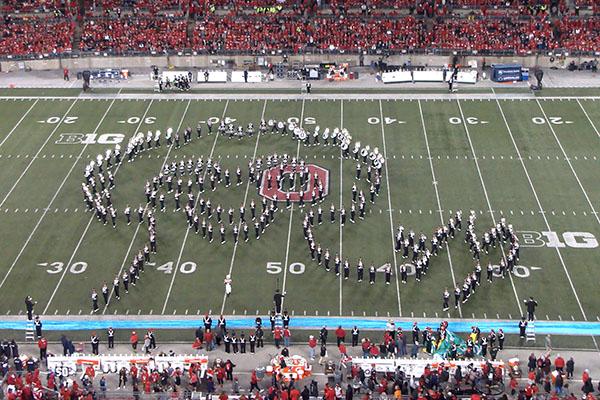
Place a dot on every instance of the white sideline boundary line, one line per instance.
(388, 190)
(287, 246)
(439, 203)
(537, 199)
(46, 208)
(568, 160)
(87, 227)
(487, 198)
(137, 228)
(18, 123)
(187, 231)
(235, 245)
(58, 125)
(588, 118)
(341, 205)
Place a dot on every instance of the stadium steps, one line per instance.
(77, 34)
(191, 23)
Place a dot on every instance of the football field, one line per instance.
(533, 161)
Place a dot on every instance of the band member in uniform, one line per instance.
(94, 297)
(446, 297)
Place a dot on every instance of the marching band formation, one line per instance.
(187, 183)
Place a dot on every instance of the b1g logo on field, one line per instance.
(90, 138)
(577, 240)
(277, 192)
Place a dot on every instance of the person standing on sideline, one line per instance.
(531, 305)
(111, 338)
(278, 300)
(133, 339)
(340, 335)
(29, 303)
(38, 326)
(66, 74)
(522, 327)
(312, 347)
(43, 346)
(355, 333)
(95, 342)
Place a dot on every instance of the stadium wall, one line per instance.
(211, 61)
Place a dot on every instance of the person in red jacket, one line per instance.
(340, 335)
(559, 363)
(342, 348)
(277, 334)
(208, 338)
(312, 347)
(43, 346)
(254, 381)
(133, 339)
(374, 351)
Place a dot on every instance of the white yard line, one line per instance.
(235, 245)
(437, 196)
(58, 125)
(341, 202)
(537, 199)
(187, 231)
(287, 246)
(588, 118)
(388, 189)
(87, 227)
(46, 209)
(569, 162)
(18, 123)
(487, 198)
(137, 228)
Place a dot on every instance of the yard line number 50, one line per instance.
(295, 268)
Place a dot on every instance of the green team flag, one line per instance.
(444, 346)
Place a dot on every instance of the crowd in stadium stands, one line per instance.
(133, 33)
(143, 6)
(35, 35)
(124, 26)
(38, 6)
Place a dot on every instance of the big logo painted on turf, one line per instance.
(271, 189)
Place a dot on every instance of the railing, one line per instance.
(383, 52)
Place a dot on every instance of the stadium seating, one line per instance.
(35, 35)
(133, 34)
(36, 6)
(142, 26)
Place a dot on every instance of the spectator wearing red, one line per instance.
(374, 351)
(254, 381)
(277, 335)
(133, 340)
(287, 336)
(209, 339)
(312, 347)
(43, 346)
(342, 348)
(559, 363)
(340, 335)
(197, 345)
(366, 347)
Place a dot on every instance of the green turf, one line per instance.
(565, 283)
